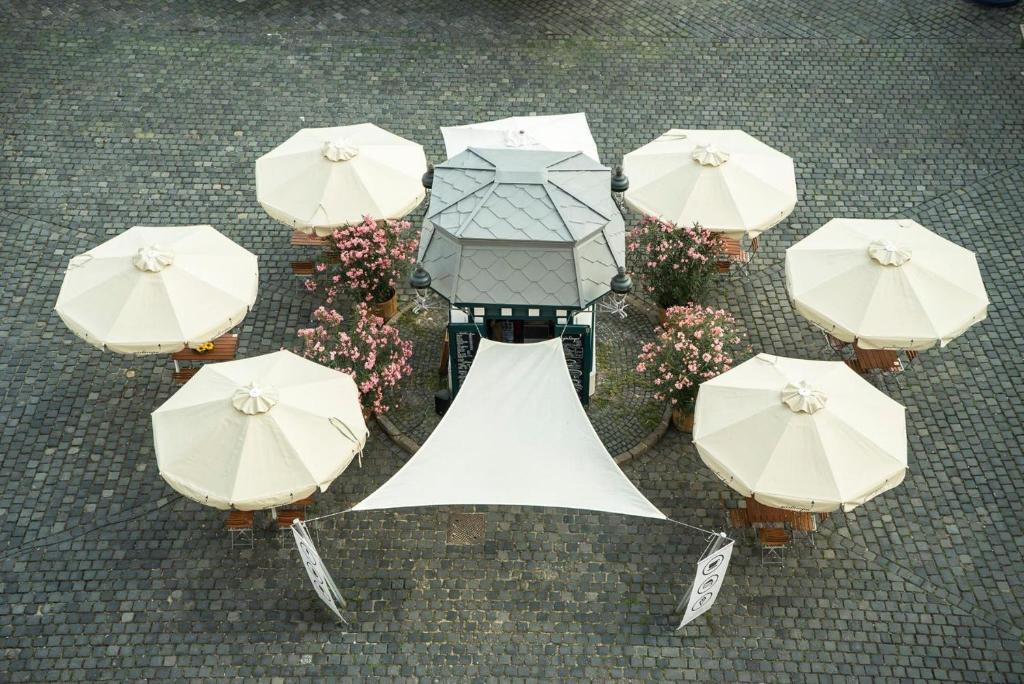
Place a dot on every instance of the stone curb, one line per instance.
(403, 440)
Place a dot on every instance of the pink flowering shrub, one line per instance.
(371, 352)
(675, 263)
(694, 344)
(372, 256)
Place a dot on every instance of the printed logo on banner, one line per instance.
(318, 575)
(707, 583)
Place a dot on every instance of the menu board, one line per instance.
(463, 343)
(574, 344)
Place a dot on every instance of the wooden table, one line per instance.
(224, 349)
(757, 512)
(880, 359)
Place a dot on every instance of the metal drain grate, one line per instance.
(466, 529)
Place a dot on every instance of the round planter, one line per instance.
(387, 309)
(682, 418)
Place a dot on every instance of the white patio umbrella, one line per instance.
(727, 181)
(258, 432)
(804, 435)
(559, 132)
(156, 289)
(890, 284)
(323, 178)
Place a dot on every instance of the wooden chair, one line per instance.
(734, 256)
(773, 541)
(806, 524)
(305, 268)
(241, 525)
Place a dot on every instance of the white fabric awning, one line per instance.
(561, 132)
(516, 435)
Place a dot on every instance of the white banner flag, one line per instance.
(318, 575)
(708, 581)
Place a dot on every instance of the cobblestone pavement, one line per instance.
(119, 113)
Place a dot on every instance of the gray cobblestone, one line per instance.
(122, 112)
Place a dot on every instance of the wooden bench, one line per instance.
(306, 268)
(300, 239)
(286, 516)
(738, 518)
(184, 375)
(303, 268)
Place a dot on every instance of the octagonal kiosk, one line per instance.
(522, 243)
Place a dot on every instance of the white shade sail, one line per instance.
(888, 284)
(323, 178)
(560, 132)
(727, 181)
(153, 289)
(258, 432)
(805, 435)
(515, 435)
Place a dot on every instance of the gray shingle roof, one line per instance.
(522, 227)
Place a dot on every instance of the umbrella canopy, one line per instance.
(258, 432)
(158, 289)
(323, 178)
(727, 181)
(561, 132)
(522, 227)
(804, 435)
(885, 284)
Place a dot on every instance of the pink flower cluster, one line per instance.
(694, 344)
(371, 351)
(371, 256)
(675, 262)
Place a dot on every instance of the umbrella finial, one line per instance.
(339, 149)
(710, 155)
(803, 397)
(252, 399)
(153, 258)
(888, 253)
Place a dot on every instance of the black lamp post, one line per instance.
(428, 177)
(621, 283)
(420, 279)
(620, 183)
